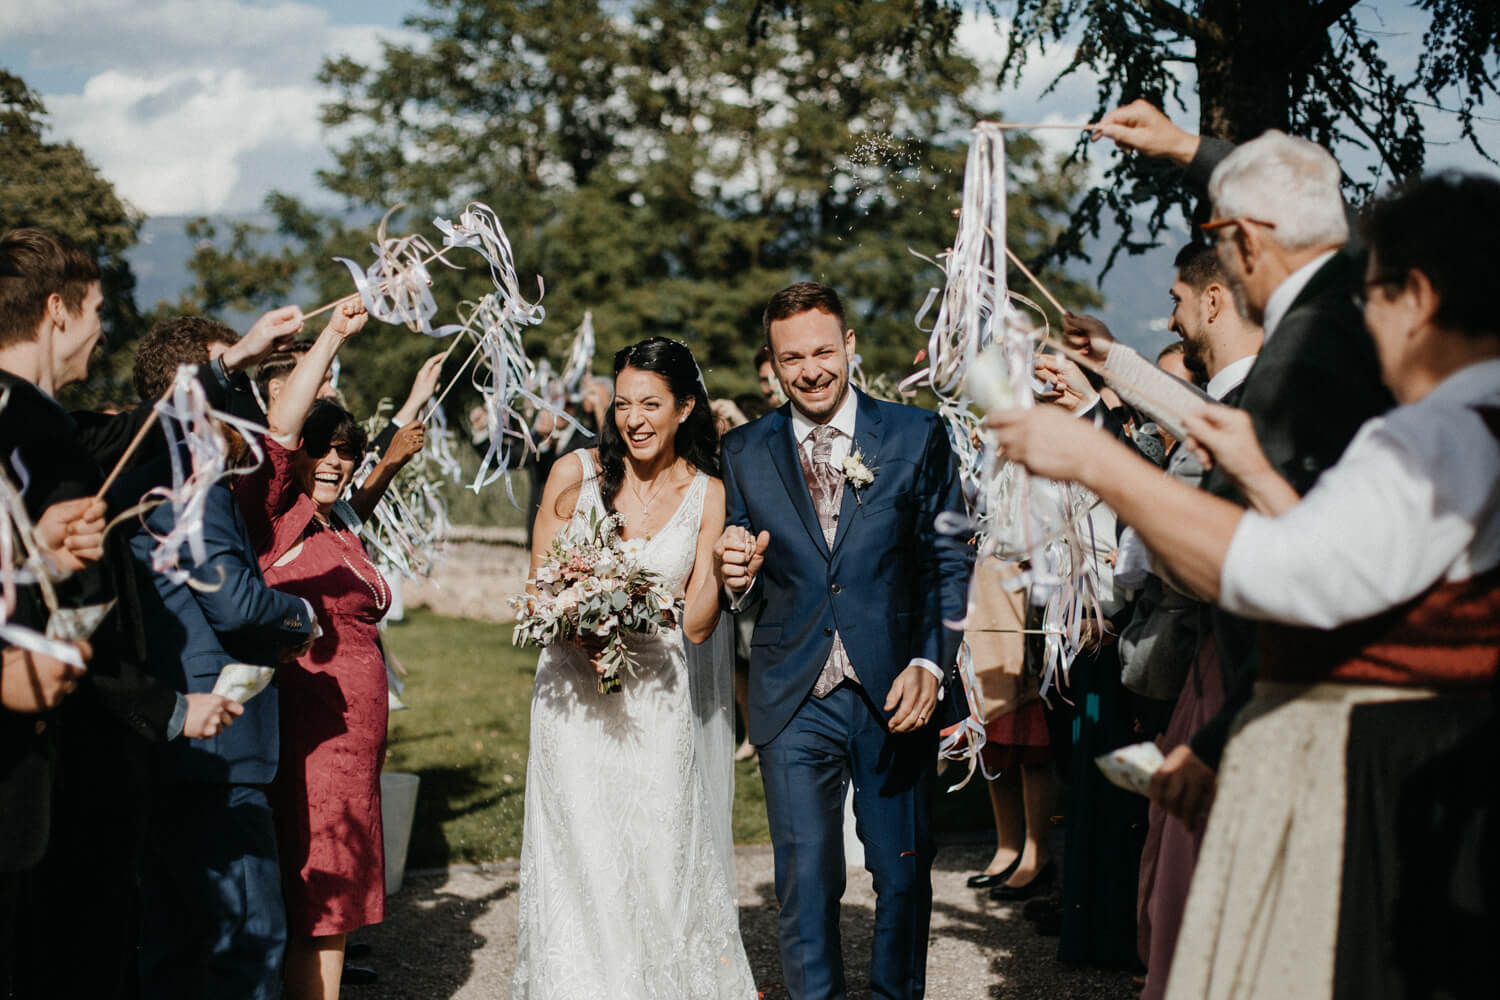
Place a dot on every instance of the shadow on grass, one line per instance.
(427, 946)
(448, 794)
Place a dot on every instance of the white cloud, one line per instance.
(172, 144)
(192, 106)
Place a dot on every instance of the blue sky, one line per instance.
(204, 106)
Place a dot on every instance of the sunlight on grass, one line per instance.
(466, 733)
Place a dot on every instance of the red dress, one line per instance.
(326, 796)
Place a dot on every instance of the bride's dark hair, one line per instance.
(697, 437)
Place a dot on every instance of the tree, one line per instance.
(1315, 68)
(53, 186)
(665, 174)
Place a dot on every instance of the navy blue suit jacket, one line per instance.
(886, 584)
(194, 632)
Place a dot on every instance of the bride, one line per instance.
(624, 891)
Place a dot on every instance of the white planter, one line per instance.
(398, 807)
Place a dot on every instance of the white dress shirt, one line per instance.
(1286, 293)
(1415, 500)
(1229, 377)
(843, 422)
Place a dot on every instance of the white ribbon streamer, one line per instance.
(199, 457)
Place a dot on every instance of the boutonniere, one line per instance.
(857, 473)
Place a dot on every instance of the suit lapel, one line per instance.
(1336, 270)
(867, 439)
(782, 444)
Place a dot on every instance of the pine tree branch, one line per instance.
(1354, 116)
(1173, 18)
(1326, 14)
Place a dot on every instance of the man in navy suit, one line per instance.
(831, 502)
(213, 921)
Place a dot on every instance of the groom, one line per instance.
(830, 508)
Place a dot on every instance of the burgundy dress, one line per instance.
(326, 796)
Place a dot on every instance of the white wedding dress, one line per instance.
(623, 890)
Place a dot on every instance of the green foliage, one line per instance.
(53, 186)
(1311, 67)
(661, 171)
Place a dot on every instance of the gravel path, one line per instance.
(452, 935)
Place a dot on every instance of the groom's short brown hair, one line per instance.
(804, 296)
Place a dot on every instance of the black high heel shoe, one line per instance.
(1036, 887)
(986, 881)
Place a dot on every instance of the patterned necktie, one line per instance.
(826, 485)
(823, 481)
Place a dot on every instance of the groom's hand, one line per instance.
(739, 555)
(913, 697)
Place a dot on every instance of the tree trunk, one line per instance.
(1245, 75)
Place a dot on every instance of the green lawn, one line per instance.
(470, 694)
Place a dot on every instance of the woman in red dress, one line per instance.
(326, 795)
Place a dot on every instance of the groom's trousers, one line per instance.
(806, 770)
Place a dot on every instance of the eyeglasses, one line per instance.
(1212, 225)
(344, 448)
(1361, 295)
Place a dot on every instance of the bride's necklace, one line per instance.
(378, 588)
(646, 502)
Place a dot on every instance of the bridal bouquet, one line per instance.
(593, 587)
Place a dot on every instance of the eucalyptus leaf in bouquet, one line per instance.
(592, 588)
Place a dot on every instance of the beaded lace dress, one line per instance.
(623, 892)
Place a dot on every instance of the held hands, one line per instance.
(739, 556)
(913, 697)
(71, 533)
(1141, 127)
(32, 683)
(208, 714)
(1184, 787)
(274, 330)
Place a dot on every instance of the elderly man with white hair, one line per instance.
(1282, 231)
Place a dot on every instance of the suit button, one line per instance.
(41, 727)
(836, 588)
(828, 631)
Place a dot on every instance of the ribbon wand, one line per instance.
(383, 285)
(131, 448)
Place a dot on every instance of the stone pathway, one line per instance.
(452, 935)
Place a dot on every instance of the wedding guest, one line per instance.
(753, 405)
(1346, 854)
(326, 796)
(212, 920)
(555, 438)
(84, 886)
(423, 387)
(1282, 231)
(272, 374)
(1017, 749)
(770, 385)
(1168, 650)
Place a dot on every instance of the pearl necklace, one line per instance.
(378, 591)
